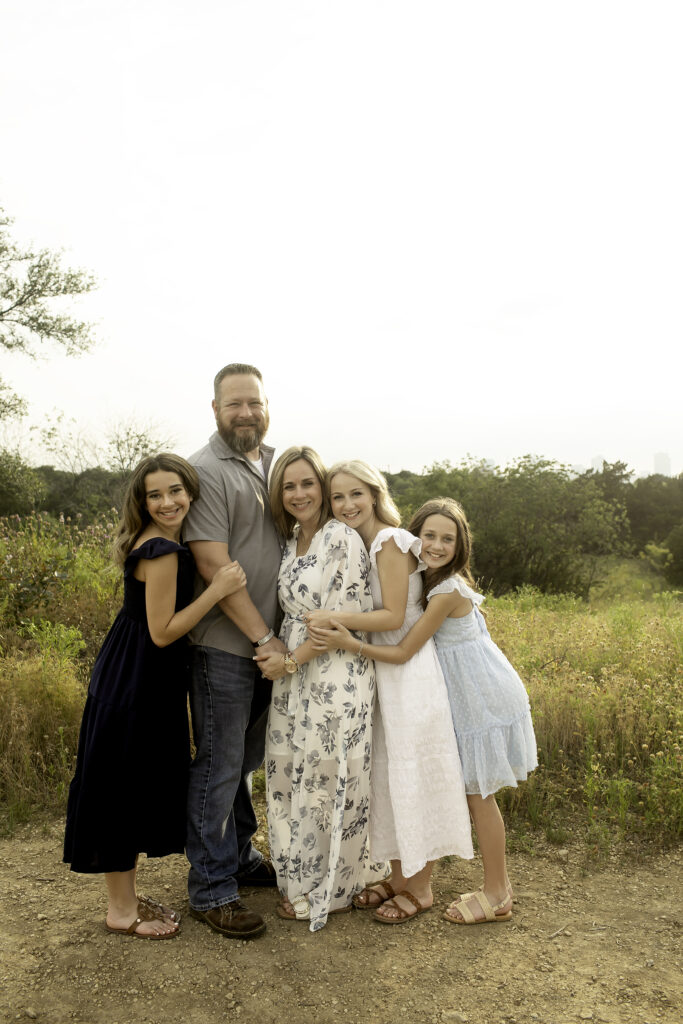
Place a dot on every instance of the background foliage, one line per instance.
(537, 523)
(604, 675)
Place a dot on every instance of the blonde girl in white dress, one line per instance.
(489, 703)
(320, 721)
(418, 807)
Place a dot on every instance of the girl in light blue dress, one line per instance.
(489, 703)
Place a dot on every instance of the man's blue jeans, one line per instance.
(229, 700)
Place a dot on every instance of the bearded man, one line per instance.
(229, 699)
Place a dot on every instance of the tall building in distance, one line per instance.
(662, 464)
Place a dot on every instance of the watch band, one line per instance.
(264, 639)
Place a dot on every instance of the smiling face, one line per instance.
(166, 501)
(439, 540)
(241, 412)
(302, 494)
(352, 503)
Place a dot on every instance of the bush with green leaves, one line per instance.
(534, 522)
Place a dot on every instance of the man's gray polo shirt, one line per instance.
(233, 508)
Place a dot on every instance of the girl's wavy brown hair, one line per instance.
(134, 514)
(460, 563)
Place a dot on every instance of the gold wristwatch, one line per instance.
(291, 664)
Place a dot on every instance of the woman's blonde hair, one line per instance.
(134, 514)
(385, 509)
(285, 521)
(460, 562)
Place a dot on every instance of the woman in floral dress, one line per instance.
(319, 729)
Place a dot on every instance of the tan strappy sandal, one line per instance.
(492, 914)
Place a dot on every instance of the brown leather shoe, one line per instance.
(232, 919)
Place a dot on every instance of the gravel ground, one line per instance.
(588, 941)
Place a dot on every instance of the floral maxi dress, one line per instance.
(319, 734)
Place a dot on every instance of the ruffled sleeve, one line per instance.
(456, 583)
(155, 548)
(344, 585)
(403, 540)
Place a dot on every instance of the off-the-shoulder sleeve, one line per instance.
(456, 583)
(344, 585)
(155, 548)
(404, 541)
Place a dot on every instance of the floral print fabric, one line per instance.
(319, 734)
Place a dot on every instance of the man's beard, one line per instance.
(244, 441)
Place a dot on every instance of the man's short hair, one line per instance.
(234, 369)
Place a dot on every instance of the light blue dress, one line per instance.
(489, 704)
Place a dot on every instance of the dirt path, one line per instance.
(596, 943)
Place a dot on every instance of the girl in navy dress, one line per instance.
(489, 704)
(128, 793)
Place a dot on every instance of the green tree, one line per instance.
(614, 484)
(673, 570)
(89, 474)
(33, 285)
(21, 488)
(655, 507)
(533, 521)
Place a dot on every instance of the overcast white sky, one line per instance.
(439, 228)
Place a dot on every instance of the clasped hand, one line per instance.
(336, 638)
(271, 662)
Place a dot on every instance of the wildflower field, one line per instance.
(605, 680)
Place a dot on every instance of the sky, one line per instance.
(439, 228)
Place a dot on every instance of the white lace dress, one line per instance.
(489, 704)
(319, 734)
(418, 807)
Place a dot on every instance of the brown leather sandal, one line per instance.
(371, 890)
(145, 913)
(403, 915)
(160, 911)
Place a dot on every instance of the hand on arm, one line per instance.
(394, 568)
(160, 576)
(339, 638)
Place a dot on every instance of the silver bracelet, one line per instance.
(264, 639)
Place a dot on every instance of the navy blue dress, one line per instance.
(129, 792)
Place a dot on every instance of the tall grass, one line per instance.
(605, 683)
(58, 591)
(605, 680)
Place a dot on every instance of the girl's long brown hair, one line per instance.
(134, 514)
(460, 563)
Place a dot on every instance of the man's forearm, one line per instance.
(240, 608)
(209, 556)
